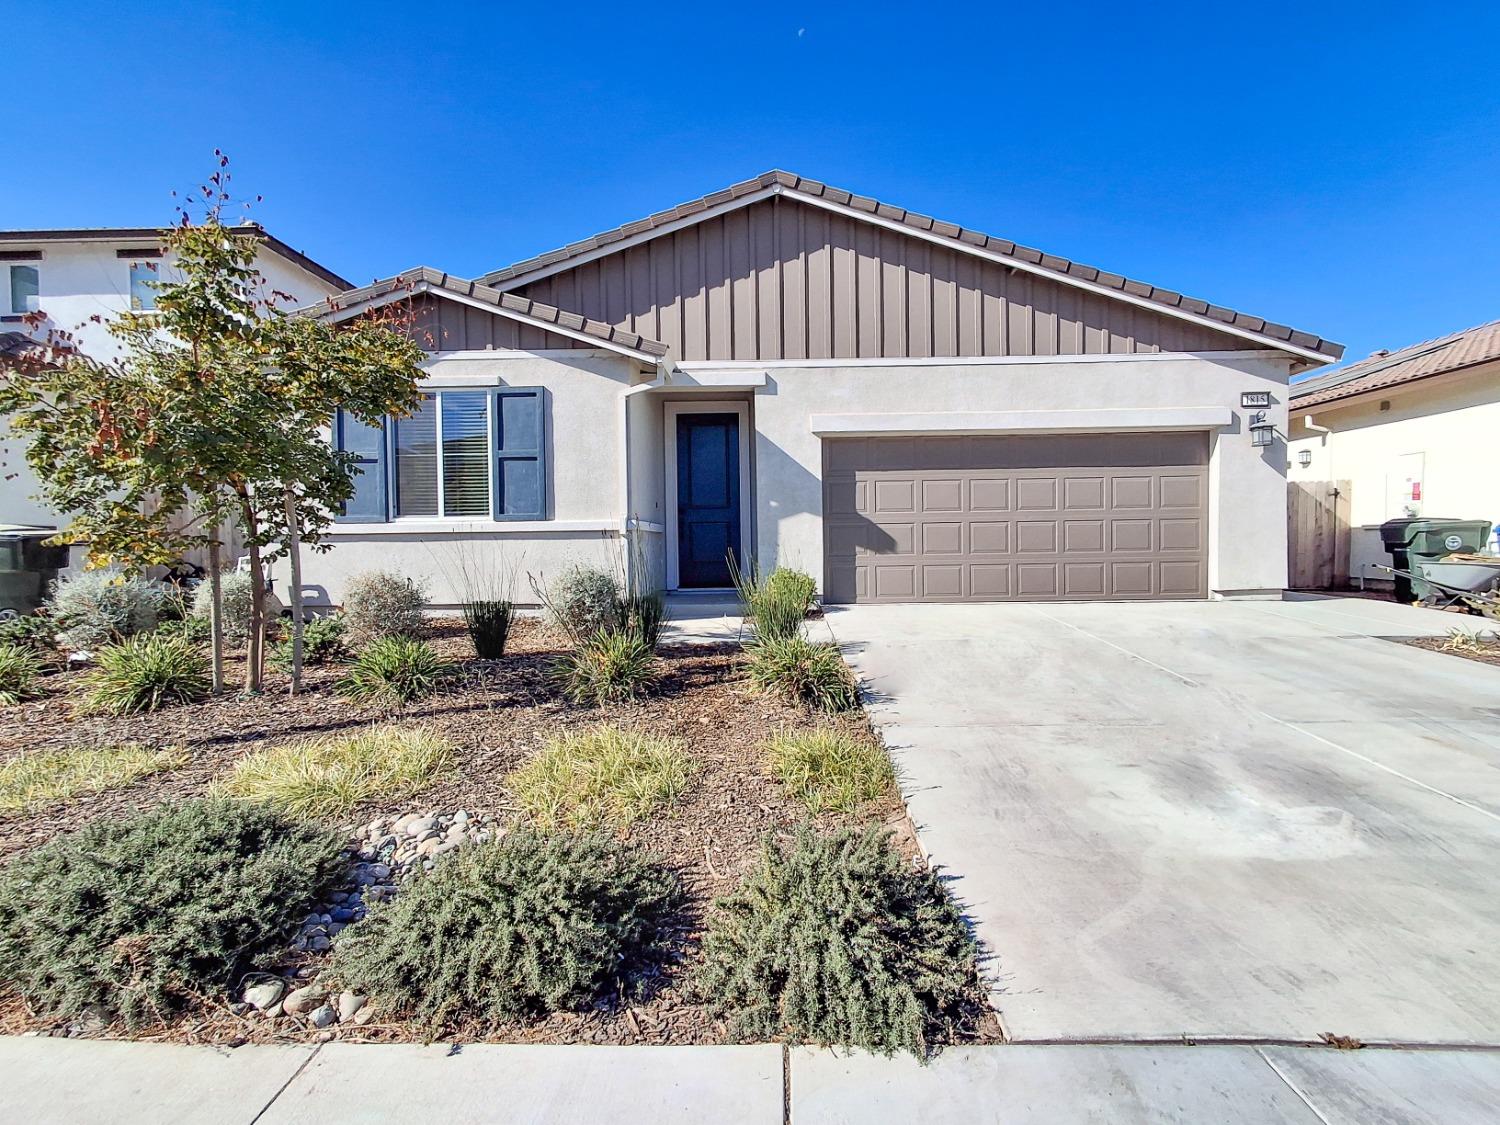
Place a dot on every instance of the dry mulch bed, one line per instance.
(1489, 654)
(497, 713)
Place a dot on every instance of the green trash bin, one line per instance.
(1407, 540)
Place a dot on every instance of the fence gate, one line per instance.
(1317, 534)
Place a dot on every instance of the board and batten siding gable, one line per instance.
(782, 280)
(441, 324)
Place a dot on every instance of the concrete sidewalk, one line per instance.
(83, 1082)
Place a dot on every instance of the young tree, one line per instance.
(215, 412)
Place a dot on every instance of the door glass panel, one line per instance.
(466, 453)
(416, 461)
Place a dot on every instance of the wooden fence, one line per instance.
(1317, 534)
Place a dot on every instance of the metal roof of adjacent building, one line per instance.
(1389, 369)
(131, 234)
(1063, 268)
(425, 277)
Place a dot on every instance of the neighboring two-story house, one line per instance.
(77, 280)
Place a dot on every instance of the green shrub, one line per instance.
(527, 925)
(140, 914)
(380, 604)
(20, 668)
(393, 672)
(36, 631)
(99, 607)
(146, 673)
(193, 629)
(802, 671)
(323, 642)
(41, 776)
(831, 769)
(583, 601)
(644, 615)
(489, 625)
(836, 940)
(610, 666)
(603, 775)
(329, 777)
(777, 604)
(236, 602)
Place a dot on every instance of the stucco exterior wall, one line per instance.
(1247, 505)
(585, 492)
(1446, 428)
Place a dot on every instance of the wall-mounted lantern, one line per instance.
(1262, 432)
(1304, 457)
(1255, 398)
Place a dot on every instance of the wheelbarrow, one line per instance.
(1468, 583)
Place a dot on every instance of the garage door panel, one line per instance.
(1053, 517)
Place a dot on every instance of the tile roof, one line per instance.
(504, 302)
(21, 349)
(1389, 369)
(1047, 263)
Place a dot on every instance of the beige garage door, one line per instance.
(991, 518)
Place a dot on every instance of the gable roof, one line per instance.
(535, 314)
(1389, 369)
(155, 234)
(777, 182)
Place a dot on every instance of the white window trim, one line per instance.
(393, 495)
(671, 410)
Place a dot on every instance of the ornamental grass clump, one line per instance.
(40, 777)
(611, 666)
(803, 671)
(836, 940)
(139, 915)
(393, 672)
(147, 673)
(20, 668)
(329, 777)
(601, 776)
(524, 926)
(489, 622)
(777, 604)
(828, 769)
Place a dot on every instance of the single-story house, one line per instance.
(1415, 432)
(908, 409)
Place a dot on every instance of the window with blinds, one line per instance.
(464, 454)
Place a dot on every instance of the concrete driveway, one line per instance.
(1209, 819)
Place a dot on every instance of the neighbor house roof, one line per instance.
(17, 347)
(1020, 257)
(548, 317)
(155, 234)
(1389, 369)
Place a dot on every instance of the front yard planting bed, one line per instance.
(703, 822)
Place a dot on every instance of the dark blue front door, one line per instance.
(708, 498)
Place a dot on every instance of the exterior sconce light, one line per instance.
(1262, 433)
(1304, 457)
(1255, 398)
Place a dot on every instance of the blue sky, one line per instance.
(1332, 166)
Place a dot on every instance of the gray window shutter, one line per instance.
(368, 504)
(520, 453)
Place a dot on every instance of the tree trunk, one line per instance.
(294, 555)
(255, 643)
(216, 614)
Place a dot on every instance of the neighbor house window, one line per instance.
(25, 287)
(462, 454)
(143, 276)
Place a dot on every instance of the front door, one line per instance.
(708, 498)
